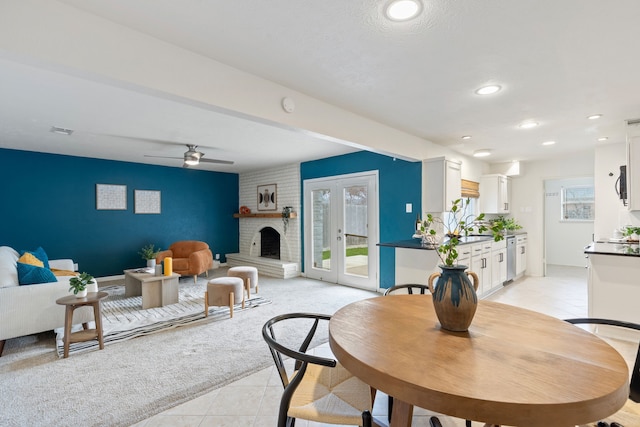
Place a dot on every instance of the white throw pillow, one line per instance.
(8, 267)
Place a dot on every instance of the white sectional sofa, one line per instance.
(30, 309)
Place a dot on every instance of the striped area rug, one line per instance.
(123, 317)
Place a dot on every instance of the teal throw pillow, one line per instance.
(40, 254)
(32, 275)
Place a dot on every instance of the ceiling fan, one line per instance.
(192, 157)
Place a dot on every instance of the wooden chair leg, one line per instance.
(231, 301)
(206, 304)
(2, 346)
(195, 278)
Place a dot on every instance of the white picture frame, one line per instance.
(147, 201)
(111, 197)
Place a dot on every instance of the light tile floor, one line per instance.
(253, 400)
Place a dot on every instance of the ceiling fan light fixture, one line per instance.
(482, 153)
(191, 162)
(403, 10)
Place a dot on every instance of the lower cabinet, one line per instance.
(499, 264)
(521, 254)
(481, 265)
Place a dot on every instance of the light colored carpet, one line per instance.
(123, 317)
(132, 380)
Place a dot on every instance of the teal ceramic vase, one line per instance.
(454, 297)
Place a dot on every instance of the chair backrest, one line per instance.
(184, 248)
(408, 289)
(278, 348)
(634, 386)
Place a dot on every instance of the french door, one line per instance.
(341, 229)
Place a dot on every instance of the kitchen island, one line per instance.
(613, 285)
(416, 261)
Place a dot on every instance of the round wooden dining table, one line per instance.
(512, 367)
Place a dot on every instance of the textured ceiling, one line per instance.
(557, 61)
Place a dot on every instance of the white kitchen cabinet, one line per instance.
(494, 194)
(481, 265)
(499, 264)
(633, 173)
(441, 184)
(521, 254)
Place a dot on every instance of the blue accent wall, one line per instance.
(400, 182)
(49, 200)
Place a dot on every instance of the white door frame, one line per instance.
(336, 273)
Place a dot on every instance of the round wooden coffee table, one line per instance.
(71, 303)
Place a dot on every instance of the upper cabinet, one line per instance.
(633, 174)
(494, 194)
(440, 184)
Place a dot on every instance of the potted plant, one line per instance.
(454, 297)
(78, 284)
(149, 253)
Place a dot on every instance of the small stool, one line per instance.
(72, 302)
(248, 274)
(223, 291)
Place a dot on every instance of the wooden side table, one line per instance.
(72, 302)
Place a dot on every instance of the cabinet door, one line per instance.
(494, 194)
(441, 184)
(498, 268)
(476, 266)
(521, 258)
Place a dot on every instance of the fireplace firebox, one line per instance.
(269, 243)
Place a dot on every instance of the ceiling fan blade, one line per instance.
(165, 157)
(222, 162)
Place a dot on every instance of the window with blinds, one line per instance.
(470, 189)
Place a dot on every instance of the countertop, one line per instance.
(417, 243)
(608, 248)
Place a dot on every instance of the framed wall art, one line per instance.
(147, 202)
(111, 197)
(268, 197)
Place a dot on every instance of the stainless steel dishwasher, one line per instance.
(511, 258)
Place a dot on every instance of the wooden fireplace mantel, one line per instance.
(264, 215)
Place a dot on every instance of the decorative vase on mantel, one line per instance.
(454, 297)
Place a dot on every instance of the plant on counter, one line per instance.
(149, 252)
(632, 232)
(79, 283)
(508, 224)
(459, 223)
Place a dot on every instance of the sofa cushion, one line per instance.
(8, 272)
(29, 258)
(32, 275)
(40, 254)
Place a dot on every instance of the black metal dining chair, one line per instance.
(315, 388)
(627, 414)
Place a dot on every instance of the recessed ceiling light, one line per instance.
(488, 90)
(548, 143)
(403, 10)
(594, 116)
(466, 137)
(527, 125)
(604, 138)
(61, 131)
(482, 153)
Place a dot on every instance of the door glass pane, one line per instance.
(321, 229)
(355, 227)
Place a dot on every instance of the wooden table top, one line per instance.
(513, 367)
(89, 299)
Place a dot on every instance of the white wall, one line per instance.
(565, 240)
(527, 198)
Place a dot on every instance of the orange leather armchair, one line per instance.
(190, 258)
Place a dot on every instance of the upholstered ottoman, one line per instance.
(224, 291)
(248, 274)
